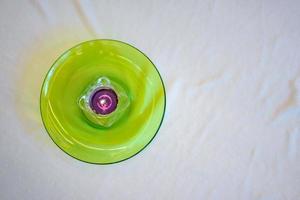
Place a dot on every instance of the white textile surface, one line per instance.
(232, 75)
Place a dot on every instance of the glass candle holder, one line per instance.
(104, 102)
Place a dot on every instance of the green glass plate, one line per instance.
(132, 128)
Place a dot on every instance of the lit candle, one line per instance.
(104, 101)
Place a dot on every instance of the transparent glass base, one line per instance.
(104, 102)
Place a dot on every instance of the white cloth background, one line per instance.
(233, 65)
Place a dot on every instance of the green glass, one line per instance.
(74, 72)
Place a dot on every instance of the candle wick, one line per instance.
(102, 102)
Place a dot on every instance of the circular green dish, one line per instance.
(73, 72)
